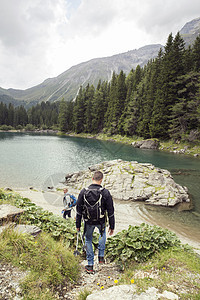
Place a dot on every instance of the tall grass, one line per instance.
(47, 261)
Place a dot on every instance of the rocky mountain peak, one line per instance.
(191, 27)
(190, 31)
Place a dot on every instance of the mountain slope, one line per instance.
(67, 84)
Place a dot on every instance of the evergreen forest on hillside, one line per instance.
(160, 100)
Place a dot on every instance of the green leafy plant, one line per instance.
(58, 227)
(139, 243)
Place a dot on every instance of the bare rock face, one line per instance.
(133, 181)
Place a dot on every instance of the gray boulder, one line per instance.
(133, 181)
(120, 292)
(9, 213)
(22, 228)
(127, 292)
(146, 144)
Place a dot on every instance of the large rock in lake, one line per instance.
(133, 181)
(146, 144)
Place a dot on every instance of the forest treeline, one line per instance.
(43, 116)
(159, 100)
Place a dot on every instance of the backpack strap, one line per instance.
(95, 202)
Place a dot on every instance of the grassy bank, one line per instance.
(169, 146)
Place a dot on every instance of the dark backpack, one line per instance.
(92, 208)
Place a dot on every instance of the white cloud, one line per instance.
(42, 38)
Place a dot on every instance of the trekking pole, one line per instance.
(84, 246)
(76, 252)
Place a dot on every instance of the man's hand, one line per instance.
(110, 231)
(78, 229)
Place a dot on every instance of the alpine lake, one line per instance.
(41, 160)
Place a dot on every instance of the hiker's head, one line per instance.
(97, 177)
(65, 190)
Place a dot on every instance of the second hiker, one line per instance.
(93, 204)
(69, 201)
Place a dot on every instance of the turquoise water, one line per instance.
(36, 159)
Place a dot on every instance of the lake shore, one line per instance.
(182, 148)
(126, 213)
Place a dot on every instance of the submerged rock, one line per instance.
(133, 181)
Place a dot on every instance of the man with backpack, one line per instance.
(93, 204)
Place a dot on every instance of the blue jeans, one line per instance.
(88, 243)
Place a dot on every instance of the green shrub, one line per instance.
(6, 127)
(29, 127)
(58, 227)
(19, 127)
(139, 243)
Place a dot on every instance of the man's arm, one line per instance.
(110, 211)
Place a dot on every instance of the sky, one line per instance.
(40, 39)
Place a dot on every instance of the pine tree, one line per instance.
(196, 54)
(89, 95)
(62, 117)
(10, 114)
(147, 98)
(184, 117)
(137, 77)
(20, 116)
(98, 111)
(132, 115)
(3, 114)
(188, 60)
(110, 122)
(79, 112)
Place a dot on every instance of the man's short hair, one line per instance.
(98, 175)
